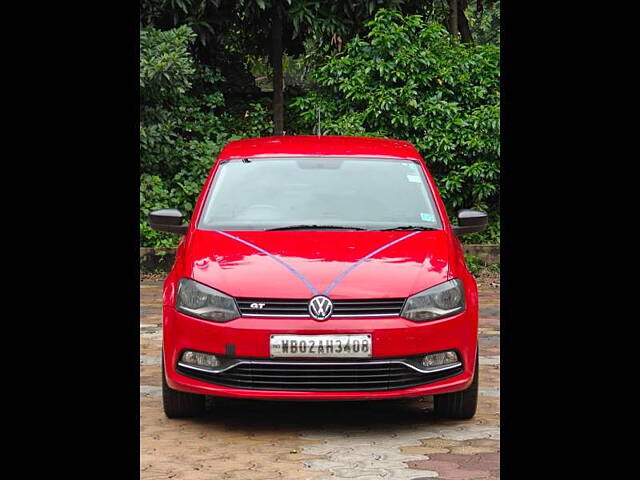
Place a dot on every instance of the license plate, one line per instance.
(320, 346)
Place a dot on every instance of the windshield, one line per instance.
(298, 193)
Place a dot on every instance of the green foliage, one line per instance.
(396, 76)
(183, 126)
(476, 265)
(485, 23)
(490, 236)
(408, 79)
(166, 67)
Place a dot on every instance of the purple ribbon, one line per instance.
(301, 277)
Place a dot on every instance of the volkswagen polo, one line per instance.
(319, 268)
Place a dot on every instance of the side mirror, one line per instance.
(470, 221)
(168, 220)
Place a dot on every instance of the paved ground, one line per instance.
(364, 441)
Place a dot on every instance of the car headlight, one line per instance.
(436, 302)
(198, 300)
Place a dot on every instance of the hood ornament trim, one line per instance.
(320, 308)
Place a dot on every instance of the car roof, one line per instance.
(315, 145)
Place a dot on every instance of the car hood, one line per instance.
(290, 264)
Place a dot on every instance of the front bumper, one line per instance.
(247, 339)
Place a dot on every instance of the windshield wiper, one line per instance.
(408, 227)
(315, 227)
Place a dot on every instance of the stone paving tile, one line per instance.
(490, 360)
(220, 445)
(379, 450)
(150, 391)
(150, 376)
(461, 467)
(325, 440)
(464, 447)
(149, 359)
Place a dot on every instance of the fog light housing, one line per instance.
(440, 359)
(200, 359)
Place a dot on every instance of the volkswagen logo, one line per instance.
(320, 307)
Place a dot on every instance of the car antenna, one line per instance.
(319, 130)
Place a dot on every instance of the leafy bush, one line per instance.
(477, 266)
(166, 67)
(409, 79)
(474, 264)
(183, 125)
(406, 79)
(485, 23)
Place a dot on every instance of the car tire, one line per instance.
(459, 405)
(180, 404)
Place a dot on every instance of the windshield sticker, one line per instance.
(428, 217)
(414, 178)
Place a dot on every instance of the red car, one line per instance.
(319, 268)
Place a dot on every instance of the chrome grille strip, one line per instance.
(295, 363)
(297, 308)
(293, 375)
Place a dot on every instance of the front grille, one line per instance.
(299, 308)
(320, 376)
